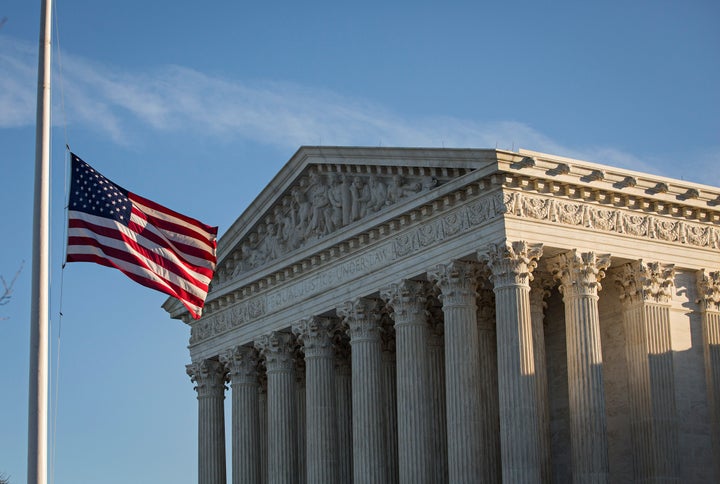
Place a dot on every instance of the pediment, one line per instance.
(323, 192)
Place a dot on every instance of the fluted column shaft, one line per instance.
(511, 265)
(389, 379)
(457, 282)
(316, 336)
(490, 412)
(408, 301)
(646, 291)
(579, 275)
(300, 415)
(210, 377)
(278, 351)
(369, 454)
(438, 421)
(241, 363)
(538, 292)
(343, 392)
(263, 411)
(709, 290)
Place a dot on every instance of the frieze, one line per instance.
(619, 221)
(256, 307)
(361, 264)
(227, 319)
(450, 224)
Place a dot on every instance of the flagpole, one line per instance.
(38, 388)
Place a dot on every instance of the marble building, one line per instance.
(385, 315)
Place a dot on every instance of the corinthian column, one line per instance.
(241, 363)
(511, 266)
(709, 290)
(277, 348)
(646, 290)
(579, 275)
(490, 412)
(457, 282)
(262, 406)
(389, 391)
(369, 454)
(438, 421)
(343, 393)
(407, 300)
(538, 292)
(316, 337)
(300, 415)
(210, 377)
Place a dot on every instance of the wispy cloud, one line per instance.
(178, 99)
(18, 75)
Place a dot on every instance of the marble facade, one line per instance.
(399, 315)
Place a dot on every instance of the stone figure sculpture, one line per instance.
(317, 206)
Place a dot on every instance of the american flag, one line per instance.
(152, 245)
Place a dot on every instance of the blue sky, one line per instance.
(197, 106)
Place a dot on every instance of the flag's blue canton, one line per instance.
(92, 193)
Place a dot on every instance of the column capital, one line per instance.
(315, 335)
(579, 273)
(408, 300)
(277, 349)
(511, 263)
(241, 363)
(540, 287)
(210, 377)
(708, 283)
(643, 282)
(457, 281)
(362, 317)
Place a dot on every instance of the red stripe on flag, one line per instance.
(148, 253)
(149, 231)
(207, 256)
(133, 260)
(125, 261)
(160, 208)
(164, 288)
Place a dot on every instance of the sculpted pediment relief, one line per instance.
(324, 199)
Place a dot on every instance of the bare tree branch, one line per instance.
(7, 291)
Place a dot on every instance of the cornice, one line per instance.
(594, 177)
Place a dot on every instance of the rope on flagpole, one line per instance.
(56, 392)
(66, 157)
(60, 75)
